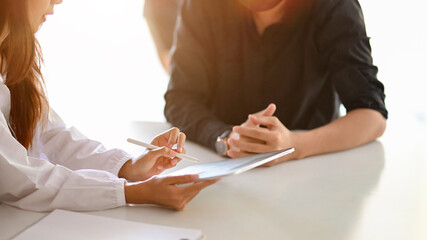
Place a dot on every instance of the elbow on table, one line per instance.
(373, 124)
(380, 125)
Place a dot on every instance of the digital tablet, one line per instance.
(229, 167)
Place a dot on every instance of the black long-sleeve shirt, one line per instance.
(222, 69)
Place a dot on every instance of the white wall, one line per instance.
(102, 68)
(398, 31)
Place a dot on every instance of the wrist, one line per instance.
(300, 143)
(135, 193)
(125, 170)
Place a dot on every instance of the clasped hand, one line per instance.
(261, 133)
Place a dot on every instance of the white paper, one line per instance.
(62, 224)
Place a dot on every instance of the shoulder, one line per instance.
(327, 8)
(338, 15)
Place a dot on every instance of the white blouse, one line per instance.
(63, 169)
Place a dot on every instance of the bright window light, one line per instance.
(102, 67)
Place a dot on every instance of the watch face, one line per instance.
(221, 147)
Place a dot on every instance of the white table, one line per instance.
(376, 191)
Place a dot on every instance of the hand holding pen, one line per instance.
(163, 190)
(160, 157)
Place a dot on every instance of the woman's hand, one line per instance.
(165, 191)
(155, 161)
(170, 138)
(150, 163)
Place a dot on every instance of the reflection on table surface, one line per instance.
(374, 191)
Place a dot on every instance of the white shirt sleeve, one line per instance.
(69, 148)
(34, 183)
(38, 185)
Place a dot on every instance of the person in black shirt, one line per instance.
(232, 58)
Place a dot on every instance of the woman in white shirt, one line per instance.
(43, 164)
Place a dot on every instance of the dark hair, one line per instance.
(21, 53)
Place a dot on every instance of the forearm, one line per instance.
(358, 127)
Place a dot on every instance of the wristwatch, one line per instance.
(221, 144)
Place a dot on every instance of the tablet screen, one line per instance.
(234, 166)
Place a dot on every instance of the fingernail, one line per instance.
(174, 161)
(180, 149)
(172, 154)
(195, 176)
(235, 136)
(236, 128)
(160, 167)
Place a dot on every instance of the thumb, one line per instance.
(161, 152)
(269, 111)
(181, 179)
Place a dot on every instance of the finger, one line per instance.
(189, 192)
(234, 135)
(161, 152)
(231, 145)
(186, 199)
(237, 136)
(198, 186)
(172, 180)
(268, 111)
(181, 140)
(162, 139)
(270, 121)
(195, 189)
(170, 162)
(173, 136)
(158, 154)
(252, 134)
(237, 154)
(250, 147)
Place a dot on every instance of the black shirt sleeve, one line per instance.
(189, 92)
(346, 51)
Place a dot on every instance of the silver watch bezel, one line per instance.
(221, 146)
